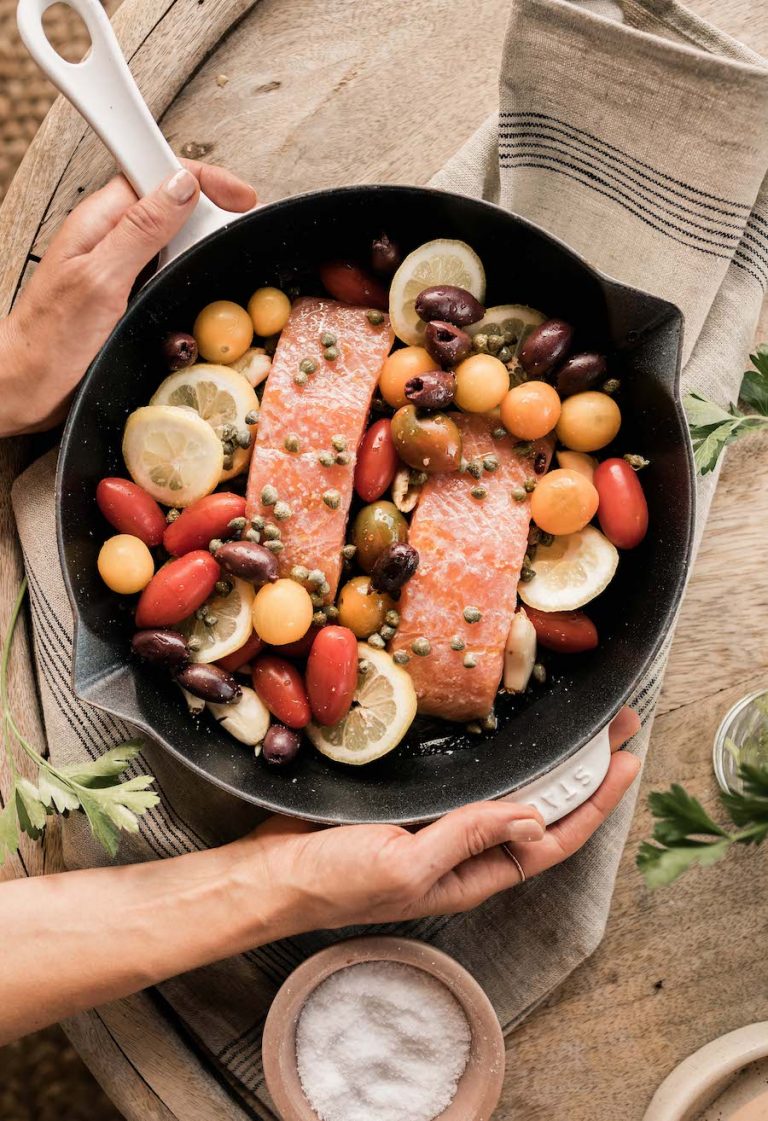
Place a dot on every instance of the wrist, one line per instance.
(22, 372)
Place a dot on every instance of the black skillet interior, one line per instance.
(438, 766)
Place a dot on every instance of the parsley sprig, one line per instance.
(685, 834)
(714, 427)
(93, 788)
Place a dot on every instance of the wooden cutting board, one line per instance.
(293, 94)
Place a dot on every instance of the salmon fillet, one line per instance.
(471, 551)
(334, 402)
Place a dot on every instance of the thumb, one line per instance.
(146, 227)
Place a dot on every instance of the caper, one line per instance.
(421, 647)
(268, 495)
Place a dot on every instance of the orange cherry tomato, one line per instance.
(131, 510)
(352, 285)
(177, 589)
(403, 364)
(281, 688)
(250, 648)
(567, 632)
(199, 523)
(623, 510)
(376, 461)
(531, 410)
(332, 674)
(563, 502)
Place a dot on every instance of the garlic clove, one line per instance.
(247, 721)
(254, 365)
(405, 493)
(519, 653)
(194, 704)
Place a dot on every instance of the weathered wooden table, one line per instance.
(319, 94)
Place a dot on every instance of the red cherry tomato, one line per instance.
(281, 688)
(177, 589)
(300, 648)
(131, 510)
(250, 648)
(567, 632)
(349, 283)
(623, 511)
(205, 519)
(377, 461)
(332, 674)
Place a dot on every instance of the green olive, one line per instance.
(428, 442)
(376, 528)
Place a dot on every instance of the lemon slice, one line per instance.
(172, 453)
(571, 571)
(515, 319)
(228, 626)
(382, 711)
(222, 396)
(435, 262)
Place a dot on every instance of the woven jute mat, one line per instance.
(25, 95)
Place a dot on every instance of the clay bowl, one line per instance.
(479, 1088)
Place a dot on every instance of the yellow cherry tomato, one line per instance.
(269, 309)
(563, 502)
(125, 564)
(481, 383)
(400, 367)
(362, 609)
(282, 612)
(588, 421)
(223, 331)
(584, 464)
(531, 410)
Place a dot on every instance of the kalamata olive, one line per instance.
(162, 648)
(446, 343)
(385, 255)
(433, 390)
(179, 350)
(429, 442)
(546, 347)
(376, 528)
(580, 372)
(249, 561)
(394, 567)
(209, 683)
(281, 746)
(448, 303)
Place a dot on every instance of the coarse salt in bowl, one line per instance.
(383, 1028)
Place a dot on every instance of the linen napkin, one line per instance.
(634, 132)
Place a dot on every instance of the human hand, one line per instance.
(81, 287)
(354, 874)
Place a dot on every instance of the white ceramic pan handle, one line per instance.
(102, 88)
(568, 785)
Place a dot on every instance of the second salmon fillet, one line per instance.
(320, 414)
(471, 551)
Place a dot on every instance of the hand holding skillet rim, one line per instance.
(418, 382)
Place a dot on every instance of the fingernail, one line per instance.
(181, 186)
(525, 830)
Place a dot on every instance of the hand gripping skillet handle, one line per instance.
(102, 89)
(570, 783)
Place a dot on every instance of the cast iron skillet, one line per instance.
(438, 766)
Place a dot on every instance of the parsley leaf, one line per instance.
(685, 835)
(94, 788)
(713, 427)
